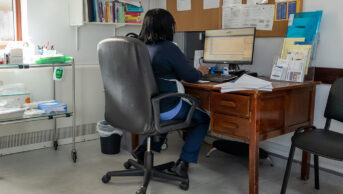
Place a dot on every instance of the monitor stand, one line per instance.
(234, 70)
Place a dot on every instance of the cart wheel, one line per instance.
(74, 156)
(55, 144)
(105, 179)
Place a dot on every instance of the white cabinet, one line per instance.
(76, 12)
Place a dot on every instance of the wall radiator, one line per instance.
(40, 139)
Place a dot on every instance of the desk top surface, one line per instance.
(277, 86)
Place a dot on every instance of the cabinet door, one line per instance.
(76, 12)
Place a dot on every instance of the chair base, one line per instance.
(148, 171)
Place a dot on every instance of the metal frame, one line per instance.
(54, 117)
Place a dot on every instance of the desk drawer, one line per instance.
(232, 104)
(202, 95)
(231, 126)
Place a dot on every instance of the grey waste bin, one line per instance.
(110, 138)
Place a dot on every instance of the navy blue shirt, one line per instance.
(168, 62)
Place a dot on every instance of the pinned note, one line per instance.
(243, 16)
(183, 5)
(231, 2)
(211, 4)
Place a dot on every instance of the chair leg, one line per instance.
(210, 152)
(148, 166)
(167, 166)
(288, 169)
(316, 171)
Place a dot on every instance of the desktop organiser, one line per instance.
(52, 116)
(198, 19)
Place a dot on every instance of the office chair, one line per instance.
(132, 104)
(320, 142)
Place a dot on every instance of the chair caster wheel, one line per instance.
(74, 156)
(142, 190)
(55, 145)
(184, 185)
(105, 179)
(127, 165)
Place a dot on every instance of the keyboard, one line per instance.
(219, 78)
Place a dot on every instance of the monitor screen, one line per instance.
(233, 46)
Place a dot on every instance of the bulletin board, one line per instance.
(198, 19)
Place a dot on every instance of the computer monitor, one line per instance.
(229, 46)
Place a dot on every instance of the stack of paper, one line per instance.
(246, 82)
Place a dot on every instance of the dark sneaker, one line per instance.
(138, 154)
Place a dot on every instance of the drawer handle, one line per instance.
(229, 104)
(230, 125)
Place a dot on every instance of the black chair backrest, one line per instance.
(129, 84)
(334, 106)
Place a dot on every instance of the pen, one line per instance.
(47, 45)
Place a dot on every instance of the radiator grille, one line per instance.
(35, 137)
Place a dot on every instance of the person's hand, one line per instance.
(203, 69)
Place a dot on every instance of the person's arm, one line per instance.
(182, 68)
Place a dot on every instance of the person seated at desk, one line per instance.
(170, 66)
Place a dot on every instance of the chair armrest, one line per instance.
(156, 108)
(302, 129)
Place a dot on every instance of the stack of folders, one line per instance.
(246, 82)
(133, 14)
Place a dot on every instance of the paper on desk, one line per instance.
(231, 2)
(238, 16)
(183, 5)
(210, 4)
(246, 82)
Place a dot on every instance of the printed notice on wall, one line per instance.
(211, 4)
(242, 16)
(257, 2)
(183, 5)
(231, 2)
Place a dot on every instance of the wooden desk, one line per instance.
(258, 115)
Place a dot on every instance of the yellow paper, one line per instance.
(308, 48)
(288, 42)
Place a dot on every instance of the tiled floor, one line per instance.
(48, 172)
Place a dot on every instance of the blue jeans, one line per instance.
(195, 135)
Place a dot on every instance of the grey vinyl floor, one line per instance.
(47, 171)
